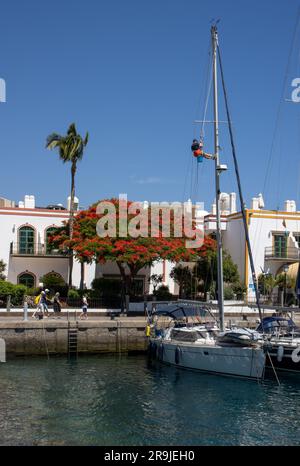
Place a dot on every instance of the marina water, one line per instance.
(125, 400)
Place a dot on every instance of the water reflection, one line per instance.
(120, 400)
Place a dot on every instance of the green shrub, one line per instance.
(73, 294)
(33, 291)
(55, 283)
(163, 293)
(228, 293)
(239, 289)
(106, 287)
(15, 291)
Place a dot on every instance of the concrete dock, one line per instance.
(51, 336)
(99, 334)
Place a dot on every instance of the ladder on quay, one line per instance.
(72, 342)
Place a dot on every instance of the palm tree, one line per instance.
(70, 149)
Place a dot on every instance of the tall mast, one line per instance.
(245, 222)
(214, 37)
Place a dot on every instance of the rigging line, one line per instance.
(205, 87)
(196, 182)
(281, 97)
(208, 85)
(272, 365)
(192, 180)
(277, 121)
(202, 132)
(195, 185)
(239, 187)
(279, 188)
(188, 170)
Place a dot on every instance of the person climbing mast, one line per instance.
(197, 148)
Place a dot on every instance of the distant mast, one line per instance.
(218, 170)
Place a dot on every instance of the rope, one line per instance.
(202, 132)
(278, 119)
(44, 333)
(279, 111)
(198, 170)
(273, 367)
(239, 187)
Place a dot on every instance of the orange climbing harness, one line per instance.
(198, 152)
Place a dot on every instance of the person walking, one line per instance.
(83, 315)
(37, 301)
(43, 303)
(56, 306)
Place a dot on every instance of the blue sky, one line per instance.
(132, 73)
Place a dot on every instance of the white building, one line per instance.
(24, 248)
(274, 238)
(24, 241)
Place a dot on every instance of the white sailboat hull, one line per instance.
(246, 362)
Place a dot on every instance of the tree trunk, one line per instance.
(71, 220)
(126, 278)
(81, 275)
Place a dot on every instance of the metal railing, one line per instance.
(35, 249)
(289, 253)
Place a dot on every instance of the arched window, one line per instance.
(26, 279)
(26, 240)
(48, 233)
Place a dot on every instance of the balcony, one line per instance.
(289, 254)
(21, 249)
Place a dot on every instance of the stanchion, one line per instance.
(25, 309)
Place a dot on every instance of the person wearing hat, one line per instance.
(43, 302)
(83, 315)
(56, 305)
(197, 148)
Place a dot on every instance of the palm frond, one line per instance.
(53, 140)
(72, 130)
(70, 147)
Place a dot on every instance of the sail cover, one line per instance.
(270, 324)
(177, 311)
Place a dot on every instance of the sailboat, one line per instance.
(207, 346)
(282, 342)
(282, 339)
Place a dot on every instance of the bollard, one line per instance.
(2, 350)
(145, 306)
(281, 298)
(8, 303)
(126, 304)
(25, 311)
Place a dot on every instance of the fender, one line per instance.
(177, 355)
(296, 354)
(280, 352)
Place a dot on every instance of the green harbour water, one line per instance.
(119, 400)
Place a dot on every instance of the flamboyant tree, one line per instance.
(130, 253)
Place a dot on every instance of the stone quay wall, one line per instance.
(43, 337)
